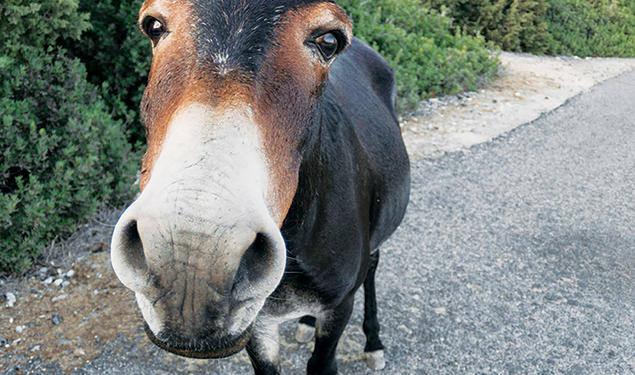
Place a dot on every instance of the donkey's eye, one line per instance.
(153, 28)
(328, 45)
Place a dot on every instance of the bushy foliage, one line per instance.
(430, 57)
(592, 28)
(117, 57)
(514, 25)
(29, 26)
(572, 27)
(61, 153)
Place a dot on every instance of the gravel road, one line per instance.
(516, 256)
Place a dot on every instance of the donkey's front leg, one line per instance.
(328, 331)
(263, 349)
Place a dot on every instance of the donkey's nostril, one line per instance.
(132, 247)
(127, 255)
(255, 267)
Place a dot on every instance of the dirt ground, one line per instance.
(70, 306)
(527, 87)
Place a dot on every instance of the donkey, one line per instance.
(274, 170)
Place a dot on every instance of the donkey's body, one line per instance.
(269, 183)
(352, 194)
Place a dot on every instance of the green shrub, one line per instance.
(29, 26)
(514, 25)
(61, 154)
(592, 28)
(117, 57)
(430, 57)
(571, 27)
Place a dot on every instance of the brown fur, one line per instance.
(287, 87)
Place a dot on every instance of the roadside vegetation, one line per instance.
(72, 73)
(62, 154)
(553, 27)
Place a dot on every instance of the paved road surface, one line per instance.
(516, 256)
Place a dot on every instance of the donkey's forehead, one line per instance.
(232, 34)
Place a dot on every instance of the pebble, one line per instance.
(35, 348)
(19, 329)
(66, 283)
(44, 270)
(60, 297)
(10, 299)
(57, 319)
(441, 310)
(70, 273)
(3, 341)
(48, 280)
(58, 282)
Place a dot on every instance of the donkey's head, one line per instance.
(230, 101)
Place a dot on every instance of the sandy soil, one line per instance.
(71, 306)
(527, 87)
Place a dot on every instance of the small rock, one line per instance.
(66, 283)
(35, 348)
(60, 297)
(64, 341)
(3, 341)
(99, 247)
(57, 319)
(48, 280)
(58, 282)
(60, 271)
(10, 299)
(441, 310)
(19, 329)
(70, 273)
(44, 270)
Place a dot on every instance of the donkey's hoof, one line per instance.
(375, 360)
(304, 333)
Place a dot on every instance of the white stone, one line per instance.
(304, 333)
(60, 297)
(11, 299)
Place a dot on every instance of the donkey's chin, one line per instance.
(201, 349)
